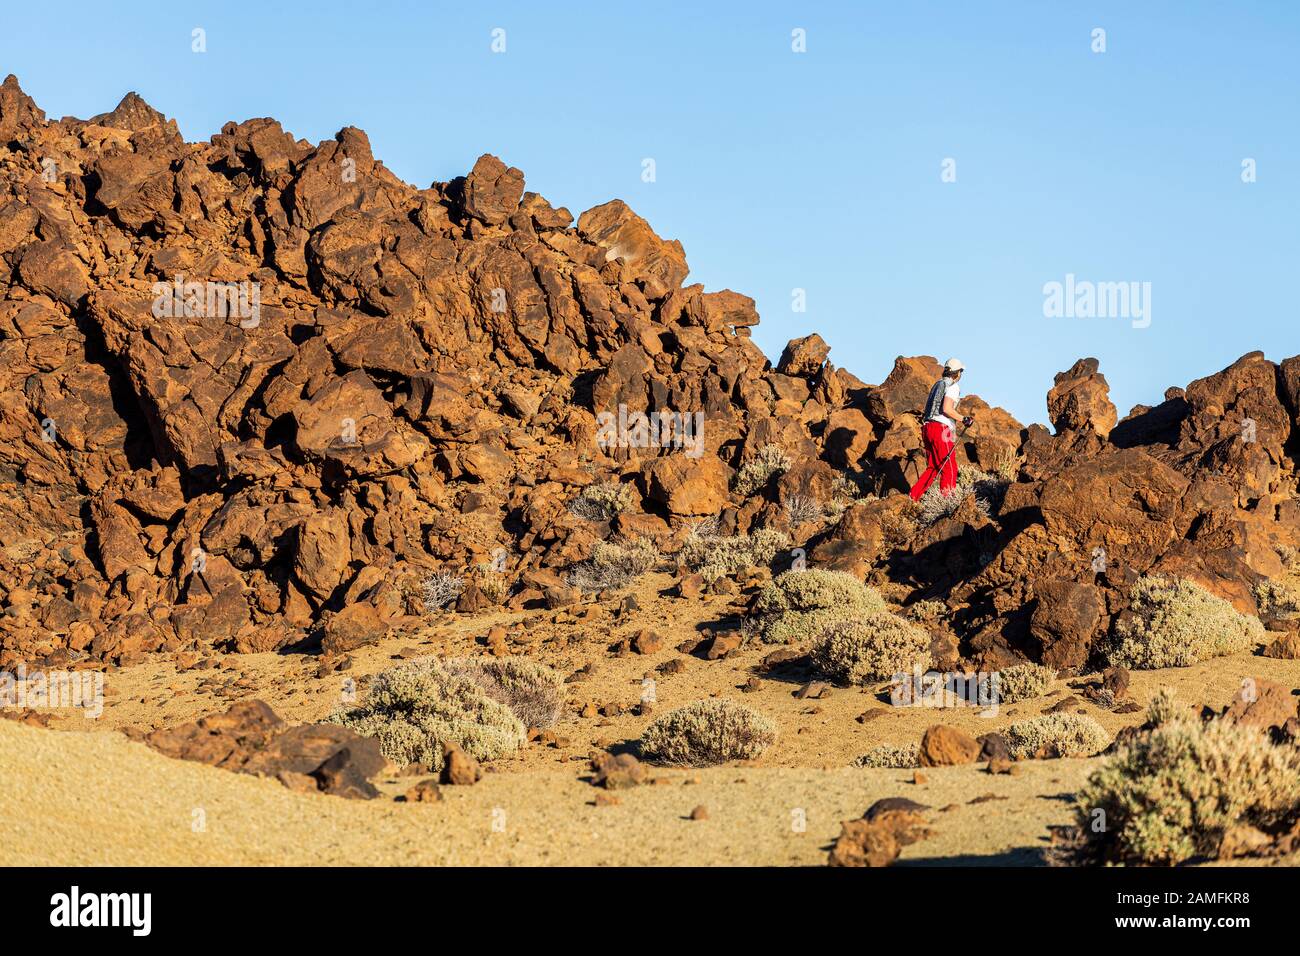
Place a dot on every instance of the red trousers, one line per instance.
(938, 441)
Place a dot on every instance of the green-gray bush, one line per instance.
(533, 691)
(708, 732)
(1172, 793)
(415, 708)
(1055, 735)
(800, 605)
(876, 647)
(1176, 623)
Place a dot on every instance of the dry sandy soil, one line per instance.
(95, 797)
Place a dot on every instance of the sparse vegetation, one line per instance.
(798, 605)
(1005, 466)
(440, 589)
(926, 611)
(892, 756)
(987, 490)
(755, 474)
(614, 564)
(802, 508)
(1055, 735)
(1278, 600)
(603, 501)
(708, 732)
(1175, 623)
(532, 691)
(1023, 682)
(876, 647)
(715, 556)
(415, 708)
(1172, 794)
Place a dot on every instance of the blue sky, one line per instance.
(818, 170)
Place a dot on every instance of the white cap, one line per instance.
(953, 365)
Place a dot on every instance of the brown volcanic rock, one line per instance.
(1080, 398)
(250, 738)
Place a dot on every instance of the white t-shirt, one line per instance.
(953, 392)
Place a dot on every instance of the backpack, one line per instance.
(934, 403)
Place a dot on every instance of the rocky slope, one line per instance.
(409, 380)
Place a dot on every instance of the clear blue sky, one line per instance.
(818, 170)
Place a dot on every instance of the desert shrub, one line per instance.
(604, 501)
(1172, 793)
(614, 564)
(1176, 623)
(1005, 465)
(494, 584)
(415, 708)
(755, 474)
(801, 508)
(1023, 681)
(926, 611)
(1055, 735)
(708, 732)
(1164, 707)
(715, 556)
(802, 604)
(892, 756)
(532, 691)
(1278, 600)
(988, 491)
(875, 647)
(440, 589)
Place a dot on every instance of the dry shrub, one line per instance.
(1055, 735)
(926, 611)
(533, 691)
(1175, 623)
(876, 647)
(802, 604)
(708, 732)
(803, 508)
(1172, 794)
(892, 756)
(415, 708)
(604, 501)
(440, 590)
(715, 556)
(1023, 682)
(614, 564)
(755, 474)
(988, 491)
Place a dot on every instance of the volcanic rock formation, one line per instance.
(254, 390)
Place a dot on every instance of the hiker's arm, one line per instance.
(950, 408)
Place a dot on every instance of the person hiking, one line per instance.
(937, 431)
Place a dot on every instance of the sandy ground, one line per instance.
(101, 799)
(88, 795)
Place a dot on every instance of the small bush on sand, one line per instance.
(1175, 623)
(415, 708)
(873, 648)
(801, 604)
(1055, 735)
(533, 691)
(755, 474)
(440, 590)
(1172, 794)
(988, 491)
(1278, 600)
(892, 756)
(604, 501)
(614, 564)
(708, 732)
(714, 556)
(1023, 682)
